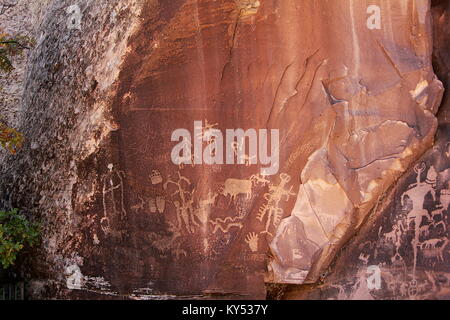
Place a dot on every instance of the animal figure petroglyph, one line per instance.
(437, 214)
(434, 248)
(430, 244)
(391, 236)
(235, 187)
(440, 224)
(424, 231)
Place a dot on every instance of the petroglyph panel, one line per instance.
(203, 147)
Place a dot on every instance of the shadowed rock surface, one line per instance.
(356, 109)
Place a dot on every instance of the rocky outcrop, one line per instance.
(402, 251)
(372, 104)
(130, 107)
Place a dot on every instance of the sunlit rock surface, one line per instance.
(355, 102)
(402, 251)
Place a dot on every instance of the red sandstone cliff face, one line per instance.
(404, 244)
(350, 89)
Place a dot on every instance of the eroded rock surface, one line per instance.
(402, 252)
(354, 104)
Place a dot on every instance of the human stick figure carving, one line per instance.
(271, 210)
(421, 219)
(183, 206)
(113, 197)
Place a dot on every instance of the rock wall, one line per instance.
(337, 102)
(402, 251)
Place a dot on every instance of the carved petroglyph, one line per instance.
(226, 224)
(155, 177)
(252, 240)
(160, 204)
(112, 198)
(424, 217)
(184, 204)
(418, 215)
(434, 248)
(152, 205)
(271, 210)
(235, 187)
(414, 240)
(259, 179)
(416, 194)
(364, 258)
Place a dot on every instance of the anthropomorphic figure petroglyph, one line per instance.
(271, 210)
(183, 206)
(416, 194)
(113, 198)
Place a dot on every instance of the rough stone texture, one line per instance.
(65, 117)
(355, 108)
(407, 238)
(372, 104)
(17, 17)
